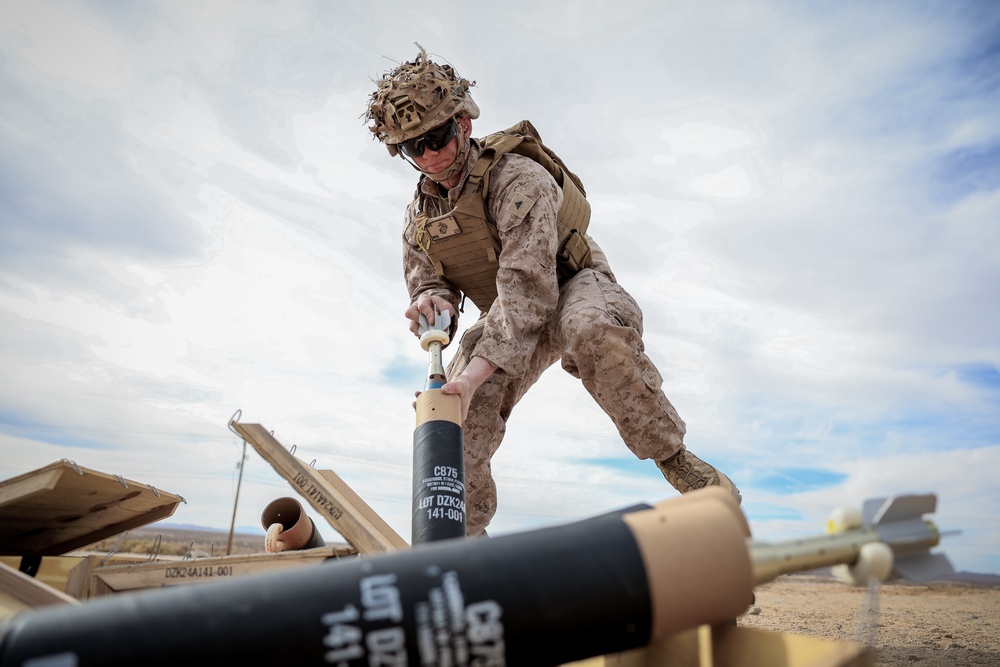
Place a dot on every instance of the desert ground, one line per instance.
(940, 624)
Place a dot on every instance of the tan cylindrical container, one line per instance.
(696, 559)
(288, 527)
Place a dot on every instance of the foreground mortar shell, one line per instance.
(546, 597)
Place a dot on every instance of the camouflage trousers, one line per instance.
(597, 334)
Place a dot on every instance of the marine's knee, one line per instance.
(586, 324)
(596, 333)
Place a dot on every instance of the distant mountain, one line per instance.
(957, 577)
(241, 530)
(974, 578)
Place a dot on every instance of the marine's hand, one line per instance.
(464, 389)
(426, 305)
(468, 381)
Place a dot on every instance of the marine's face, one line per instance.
(441, 159)
(435, 161)
(435, 140)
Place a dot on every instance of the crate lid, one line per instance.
(62, 506)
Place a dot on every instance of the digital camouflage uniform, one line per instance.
(590, 323)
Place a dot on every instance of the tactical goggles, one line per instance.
(435, 140)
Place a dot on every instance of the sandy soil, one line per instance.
(912, 625)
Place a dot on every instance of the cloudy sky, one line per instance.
(803, 197)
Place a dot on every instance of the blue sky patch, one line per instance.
(768, 512)
(776, 480)
(629, 465)
(405, 372)
(982, 375)
(797, 480)
(967, 170)
(53, 435)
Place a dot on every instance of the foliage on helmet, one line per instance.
(415, 97)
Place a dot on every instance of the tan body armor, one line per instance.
(464, 244)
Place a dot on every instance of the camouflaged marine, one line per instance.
(502, 221)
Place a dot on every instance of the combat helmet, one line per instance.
(415, 97)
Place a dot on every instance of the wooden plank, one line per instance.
(342, 508)
(79, 579)
(742, 646)
(121, 578)
(376, 522)
(53, 571)
(63, 506)
(19, 592)
(30, 484)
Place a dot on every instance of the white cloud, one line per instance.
(730, 183)
(703, 139)
(62, 45)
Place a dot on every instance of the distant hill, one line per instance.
(240, 530)
(180, 539)
(955, 577)
(974, 578)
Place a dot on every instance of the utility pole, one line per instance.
(232, 524)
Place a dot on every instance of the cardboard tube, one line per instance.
(432, 405)
(288, 527)
(695, 553)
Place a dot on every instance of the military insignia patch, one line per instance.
(443, 227)
(520, 205)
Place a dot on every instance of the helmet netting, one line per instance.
(415, 97)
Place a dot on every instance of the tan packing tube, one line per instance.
(288, 527)
(432, 405)
(694, 586)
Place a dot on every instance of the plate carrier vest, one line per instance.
(464, 244)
